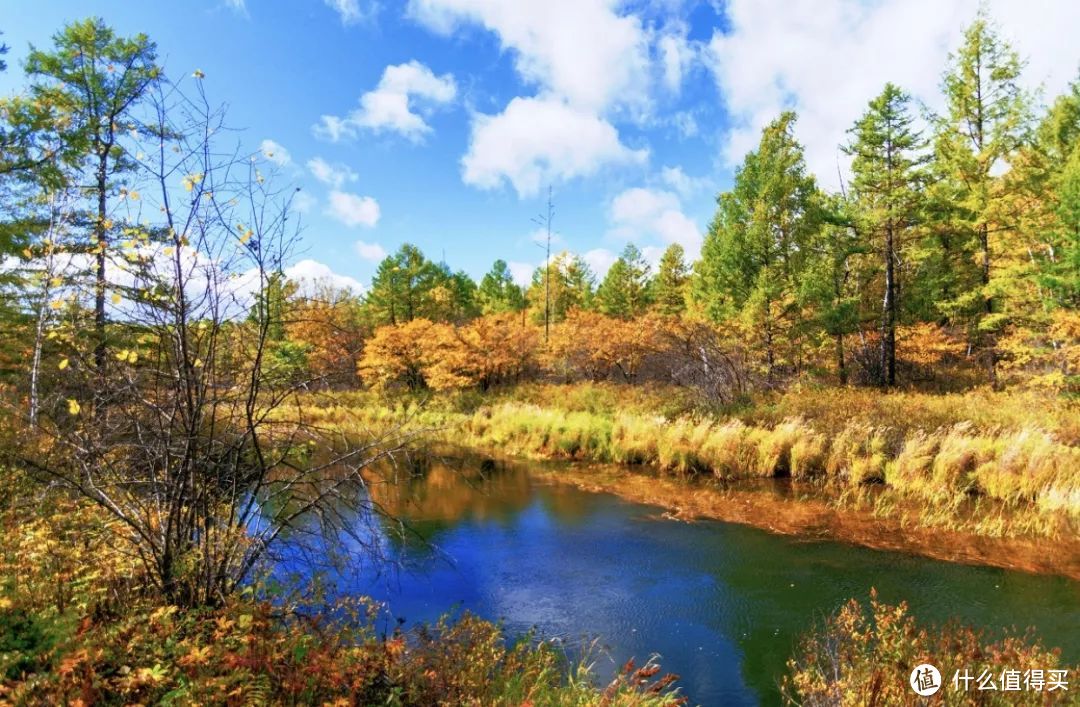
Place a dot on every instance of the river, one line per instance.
(722, 604)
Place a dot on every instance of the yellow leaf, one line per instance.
(169, 251)
(73, 406)
(56, 304)
(27, 254)
(63, 364)
(116, 298)
(56, 282)
(122, 355)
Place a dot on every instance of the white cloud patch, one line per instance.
(581, 50)
(536, 141)
(828, 58)
(521, 272)
(336, 175)
(353, 210)
(685, 185)
(640, 214)
(275, 152)
(369, 251)
(591, 62)
(349, 11)
(599, 260)
(677, 55)
(398, 104)
(310, 275)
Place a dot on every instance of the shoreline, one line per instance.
(814, 519)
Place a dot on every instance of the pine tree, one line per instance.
(625, 289)
(402, 287)
(671, 282)
(886, 159)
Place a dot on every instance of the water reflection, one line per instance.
(723, 604)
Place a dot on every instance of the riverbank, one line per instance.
(965, 477)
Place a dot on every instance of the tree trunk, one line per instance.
(99, 279)
(888, 314)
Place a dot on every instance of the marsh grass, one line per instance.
(981, 474)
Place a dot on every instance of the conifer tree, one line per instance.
(624, 291)
(672, 279)
(886, 159)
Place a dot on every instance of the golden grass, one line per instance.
(999, 470)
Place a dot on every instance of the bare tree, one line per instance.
(190, 434)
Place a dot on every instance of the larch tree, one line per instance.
(498, 292)
(99, 83)
(984, 124)
(671, 281)
(624, 291)
(887, 154)
(759, 241)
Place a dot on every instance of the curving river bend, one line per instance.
(723, 604)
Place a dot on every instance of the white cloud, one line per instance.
(311, 274)
(237, 5)
(536, 141)
(521, 272)
(275, 152)
(353, 210)
(677, 55)
(370, 251)
(336, 175)
(581, 50)
(685, 123)
(348, 10)
(394, 105)
(685, 185)
(828, 58)
(639, 214)
(599, 260)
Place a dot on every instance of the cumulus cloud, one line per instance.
(275, 152)
(590, 63)
(310, 275)
(640, 214)
(336, 175)
(536, 141)
(828, 58)
(369, 251)
(353, 210)
(581, 50)
(404, 92)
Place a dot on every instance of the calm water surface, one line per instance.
(722, 604)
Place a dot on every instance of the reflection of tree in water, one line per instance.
(432, 494)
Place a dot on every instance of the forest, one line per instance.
(903, 354)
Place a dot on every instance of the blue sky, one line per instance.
(441, 122)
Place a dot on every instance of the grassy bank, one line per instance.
(975, 462)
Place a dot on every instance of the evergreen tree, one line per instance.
(498, 292)
(402, 287)
(572, 283)
(757, 246)
(625, 289)
(886, 158)
(672, 279)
